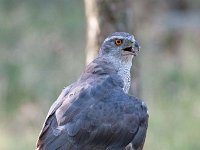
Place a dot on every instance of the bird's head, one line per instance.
(120, 45)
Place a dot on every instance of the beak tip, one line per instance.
(137, 45)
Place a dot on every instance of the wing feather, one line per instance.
(95, 114)
(49, 119)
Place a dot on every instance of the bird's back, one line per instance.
(95, 114)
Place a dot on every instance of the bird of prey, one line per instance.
(96, 112)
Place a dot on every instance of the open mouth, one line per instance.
(129, 49)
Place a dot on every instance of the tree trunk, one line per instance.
(103, 18)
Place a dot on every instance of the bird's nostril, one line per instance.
(137, 44)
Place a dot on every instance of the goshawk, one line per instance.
(96, 112)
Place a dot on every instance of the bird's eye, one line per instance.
(118, 42)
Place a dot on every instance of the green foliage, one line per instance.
(42, 50)
(38, 58)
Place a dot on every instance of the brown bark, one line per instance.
(103, 18)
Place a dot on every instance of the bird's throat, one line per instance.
(124, 73)
(123, 67)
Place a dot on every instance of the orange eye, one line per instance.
(118, 42)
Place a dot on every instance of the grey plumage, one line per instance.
(95, 112)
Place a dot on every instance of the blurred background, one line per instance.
(42, 49)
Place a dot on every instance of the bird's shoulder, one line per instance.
(93, 85)
(86, 92)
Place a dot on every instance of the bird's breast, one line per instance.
(124, 73)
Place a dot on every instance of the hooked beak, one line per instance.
(134, 49)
